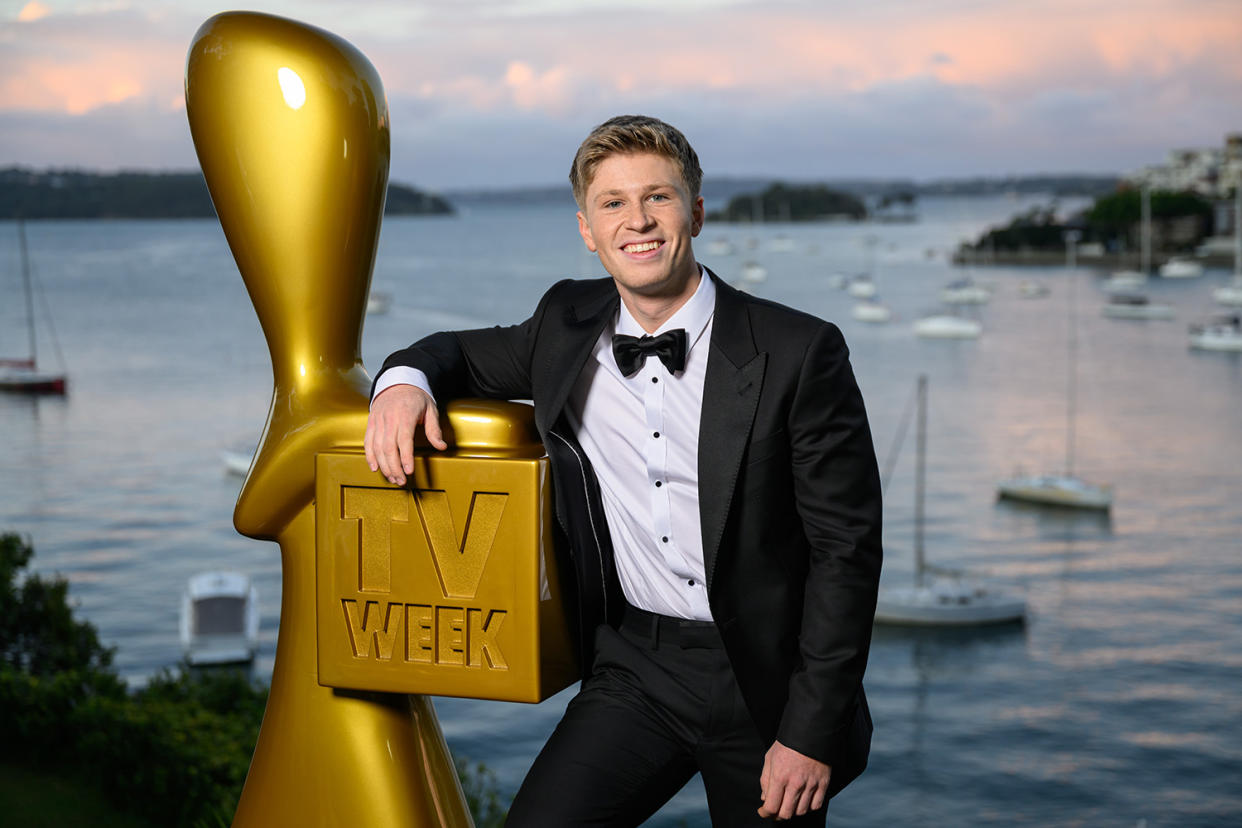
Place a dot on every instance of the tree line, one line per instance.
(77, 194)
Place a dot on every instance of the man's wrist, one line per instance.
(402, 375)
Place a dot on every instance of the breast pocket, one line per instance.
(767, 447)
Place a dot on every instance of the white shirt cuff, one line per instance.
(402, 375)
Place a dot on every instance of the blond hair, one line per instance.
(631, 134)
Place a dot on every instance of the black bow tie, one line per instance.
(631, 351)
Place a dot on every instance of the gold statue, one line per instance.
(445, 586)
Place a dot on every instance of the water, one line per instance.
(1116, 704)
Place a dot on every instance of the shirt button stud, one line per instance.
(659, 484)
(690, 582)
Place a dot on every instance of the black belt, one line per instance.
(659, 629)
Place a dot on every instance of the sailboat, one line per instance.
(940, 597)
(1062, 489)
(1224, 332)
(1231, 294)
(22, 374)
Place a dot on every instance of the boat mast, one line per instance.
(920, 471)
(30, 319)
(1145, 201)
(1237, 230)
(1071, 369)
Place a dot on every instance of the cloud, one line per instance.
(32, 11)
(502, 91)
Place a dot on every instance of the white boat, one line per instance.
(965, 292)
(219, 619)
(1056, 490)
(870, 310)
(1135, 306)
(1224, 333)
(937, 597)
(861, 287)
(237, 460)
(1180, 267)
(781, 244)
(1062, 489)
(947, 326)
(1124, 280)
(947, 602)
(753, 272)
(838, 281)
(22, 374)
(1031, 289)
(721, 247)
(378, 302)
(1230, 294)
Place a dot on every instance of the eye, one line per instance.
(612, 204)
(658, 197)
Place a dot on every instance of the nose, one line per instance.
(637, 217)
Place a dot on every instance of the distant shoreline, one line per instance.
(75, 194)
(81, 194)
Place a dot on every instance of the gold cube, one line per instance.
(447, 586)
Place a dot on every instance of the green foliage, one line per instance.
(1110, 219)
(1122, 209)
(175, 752)
(781, 202)
(1037, 228)
(478, 782)
(37, 632)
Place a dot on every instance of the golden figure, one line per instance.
(445, 586)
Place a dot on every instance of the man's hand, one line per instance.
(395, 416)
(791, 784)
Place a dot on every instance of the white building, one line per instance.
(1213, 172)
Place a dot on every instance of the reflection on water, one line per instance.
(1116, 702)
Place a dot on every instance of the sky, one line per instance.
(495, 94)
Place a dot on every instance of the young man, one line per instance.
(717, 484)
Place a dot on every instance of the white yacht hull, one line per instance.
(1052, 490)
(947, 327)
(952, 603)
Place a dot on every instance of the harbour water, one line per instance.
(1118, 702)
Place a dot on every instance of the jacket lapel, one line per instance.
(731, 389)
(575, 333)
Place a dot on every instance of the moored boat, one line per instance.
(1180, 267)
(219, 619)
(939, 598)
(1135, 306)
(23, 375)
(1057, 490)
(871, 310)
(1224, 333)
(947, 326)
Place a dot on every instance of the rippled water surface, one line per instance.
(1118, 703)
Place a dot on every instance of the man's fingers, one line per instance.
(403, 457)
(368, 446)
(431, 427)
(817, 801)
(789, 802)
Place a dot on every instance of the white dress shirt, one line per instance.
(641, 434)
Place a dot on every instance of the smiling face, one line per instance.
(640, 218)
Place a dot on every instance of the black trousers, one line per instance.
(660, 705)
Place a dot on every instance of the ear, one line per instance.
(696, 217)
(585, 229)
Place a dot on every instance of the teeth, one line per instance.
(641, 248)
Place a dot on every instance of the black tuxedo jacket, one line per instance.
(789, 496)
